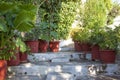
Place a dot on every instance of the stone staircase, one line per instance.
(60, 66)
(63, 65)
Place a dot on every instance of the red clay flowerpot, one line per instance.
(14, 61)
(43, 45)
(85, 47)
(3, 69)
(54, 46)
(33, 45)
(108, 56)
(77, 46)
(23, 57)
(95, 52)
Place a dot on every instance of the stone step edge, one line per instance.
(82, 70)
(60, 76)
(61, 52)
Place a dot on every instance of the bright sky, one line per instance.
(116, 1)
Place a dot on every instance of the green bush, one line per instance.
(14, 18)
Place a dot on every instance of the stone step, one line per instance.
(25, 77)
(50, 56)
(75, 68)
(60, 76)
(64, 59)
(86, 77)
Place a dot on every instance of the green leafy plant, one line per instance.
(80, 34)
(109, 39)
(94, 17)
(95, 13)
(32, 34)
(43, 30)
(14, 18)
(57, 17)
(75, 33)
(67, 15)
(84, 35)
(95, 37)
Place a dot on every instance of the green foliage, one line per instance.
(108, 4)
(32, 34)
(80, 34)
(109, 39)
(67, 16)
(43, 30)
(95, 14)
(21, 44)
(57, 16)
(75, 33)
(14, 18)
(94, 17)
(96, 36)
(114, 12)
(84, 35)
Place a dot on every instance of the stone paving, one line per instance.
(66, 66)
(98, 77)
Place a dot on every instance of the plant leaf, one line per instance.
(21, 44)
(24, 21)
(3, 25)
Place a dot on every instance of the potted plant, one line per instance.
(108, 45)
(43, 36)
(42, 29)
(58, 23)
(49, 20)
(95, 40)
(75, 37)
(24, 50)
(94, 16)
(81, 38)
(84, 39)
(20, 55)
(31, 40)
(13, 19)
(54, 38)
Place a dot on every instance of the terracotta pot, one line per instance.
(85, 47)
(3, 69)
(33, 45)
(95, 52)
(43, 45)
(14, 61)
(54, 46)
(77, 46)
(108, 56)
(23, 57)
